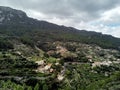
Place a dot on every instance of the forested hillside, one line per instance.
(38, 55)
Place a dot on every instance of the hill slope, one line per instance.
(16, 23)
(38, 55)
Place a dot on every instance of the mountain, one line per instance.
(38, 55)
(16, 22)
(10, 16)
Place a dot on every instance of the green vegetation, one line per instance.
(37, 55)
(5, 44)
(18, 68)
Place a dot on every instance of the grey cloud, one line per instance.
(69, 10)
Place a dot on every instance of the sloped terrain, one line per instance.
(37, 55)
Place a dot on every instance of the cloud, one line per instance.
(96, 15)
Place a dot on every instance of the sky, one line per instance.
(92, 15)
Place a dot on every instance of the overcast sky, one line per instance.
(93, 15)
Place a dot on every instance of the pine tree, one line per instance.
(36, 87)
(45, 87)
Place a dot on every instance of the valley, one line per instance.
(38, 55)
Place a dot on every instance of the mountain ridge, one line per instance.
(15, 11)
(17, 21)
(38, 55)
